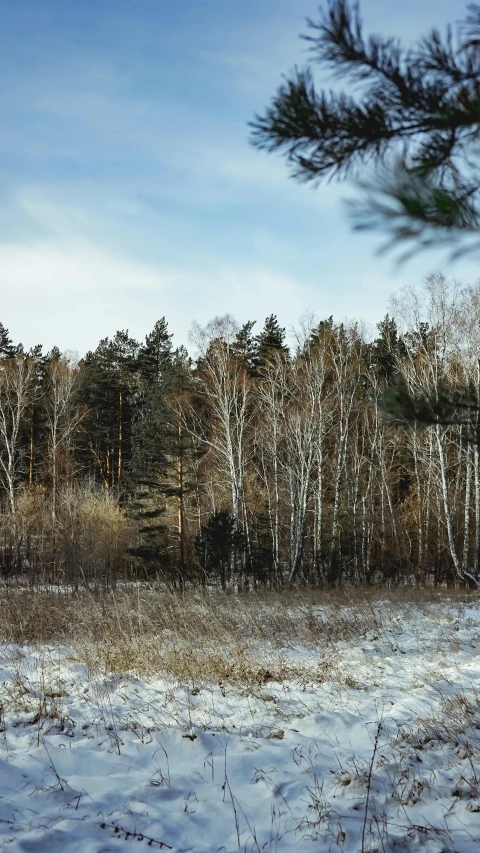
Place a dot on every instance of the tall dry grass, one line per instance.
(147, 630)
(83, 543)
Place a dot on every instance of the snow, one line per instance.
(372, 746)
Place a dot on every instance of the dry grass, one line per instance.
(197, 637)
(244, 642)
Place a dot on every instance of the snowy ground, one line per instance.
(370, 746)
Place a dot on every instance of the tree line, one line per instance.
(256, 464)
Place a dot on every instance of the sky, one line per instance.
(129, 190)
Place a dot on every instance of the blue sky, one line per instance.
(128, 189)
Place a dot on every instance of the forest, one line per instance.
(344, 459)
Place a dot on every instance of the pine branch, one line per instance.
(420, 106)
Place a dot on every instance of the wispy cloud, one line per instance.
(74, 293)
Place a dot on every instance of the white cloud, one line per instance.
(77, 282)
(74, 293)
(71, 294)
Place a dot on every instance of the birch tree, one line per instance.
(63, 417)
(17, 390)
(226, 392)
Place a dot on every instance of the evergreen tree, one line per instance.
(7, 349)
(386, 347)
(419, 340)
(158, 473)
(54, 355)
(261, 556)
(35, 424)
(270, 342)
(158, 374)
(35, 353)
(155, 356)
(109, 384)
(218, 545)
(245, 345)
(321, 333)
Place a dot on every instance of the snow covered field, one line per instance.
(359, 745)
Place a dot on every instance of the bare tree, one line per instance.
(433, 361)
(226, 391)
(17, 391)
(63, 416)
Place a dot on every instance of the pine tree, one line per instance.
(245, 345)
(270, 342)
(35, 424)
(7, 349)
(151, 420)
(320, 333)
(158, 475)
(109, 384)
(155, 356)
(386, 347)
(218, 544)
(54, 355)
